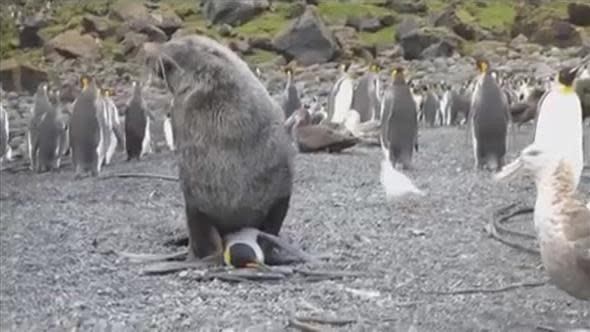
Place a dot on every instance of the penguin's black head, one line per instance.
(288, 70)
(567, 76)
(425, 88)
(344, 66)
(241, 255)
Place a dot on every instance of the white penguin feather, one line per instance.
(343, 100)
(395, 183)
(168, 134)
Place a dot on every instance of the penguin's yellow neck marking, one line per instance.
(84, 83)
(227, 256)
(566, 89)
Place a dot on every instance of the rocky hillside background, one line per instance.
(108, 33)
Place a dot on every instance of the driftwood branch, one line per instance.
(140, 175)
(491, 290)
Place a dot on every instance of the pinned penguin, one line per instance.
(489, 116)
(85, 130)
(559, 123)
(137, 125)
(340, 99)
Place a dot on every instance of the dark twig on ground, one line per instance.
(494, 227)
(491, 290)
(140, 175)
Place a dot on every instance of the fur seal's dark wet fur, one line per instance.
(235, 156)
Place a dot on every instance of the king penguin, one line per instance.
(489, 119)
(168, 131)
(115, 130)
(50, 140)
(5, 150)
(137, 125)
(401, 129)
(366, 95)
(340, 99)
(430, 107)
(559, 122)
(85, 130)
(41, 107)
(290, 98)
(109, 141)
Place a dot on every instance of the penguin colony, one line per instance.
(228, 221)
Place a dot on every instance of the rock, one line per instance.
(408, 25)
(308, 40)
(518, 40)
(262, 43)
(414, 43)
(126, 11)
(225, 30)
(29, 32)
(579, 13)
(240, 46)
(441, 49)
(489, 47)
(368, 23)
(557, 33)
(101, 25)
(233, 12)
(72, 44)
(407, 6)
(388, 20)
(153, 33)
(167, 20)
(20, 77)
(449, 19)
(132, 42)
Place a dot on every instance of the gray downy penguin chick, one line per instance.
(290, 98)
(137, 125)
(50, 140)
(85, 131)
(366, 95)
(402, 123)
(41, 107)
(5, 150)
(489, 116)
(430, 107)
(235, 156)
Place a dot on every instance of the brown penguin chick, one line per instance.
(562, 222)
(314, 138)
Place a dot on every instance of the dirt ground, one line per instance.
(57, 272)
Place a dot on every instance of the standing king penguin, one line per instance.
(290, 99)
(489, 116)
(50, 145)
(137, 125)
(85, 131)
(559, 122)
(41, 107)
(400, 129)
(366, 95)
(5, 150)
(235, 156)
(340, 99)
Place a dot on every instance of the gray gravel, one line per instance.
(57, 274)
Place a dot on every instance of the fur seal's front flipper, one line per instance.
(176, 266)
(138, 257)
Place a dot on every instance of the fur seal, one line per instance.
(489, 116)
(85, 130)
(235, 156)
(137, 125)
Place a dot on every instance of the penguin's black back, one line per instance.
(430, 109)
(84, 127)
(402, 125)
(135, 125)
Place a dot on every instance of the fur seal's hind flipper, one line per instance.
(153, 257)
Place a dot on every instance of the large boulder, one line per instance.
(19, 77)
(73, 44)
(126, 11)
(29, 32)
(167, 20)
(407, 6)
(557, 33)
(132, 43)
(308, 40)
(449, 18)
(233, 12)
(579, 13)
(99, 25)
(406, 26)
(415, 43)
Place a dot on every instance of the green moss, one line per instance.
(382, 37)
(436, 5)
(182, 8)
(8, 36)
(110, 47)
(267, 24)
(34, 57)
(51, 31)
(497, 15)
(334, 12)
(260, 56)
